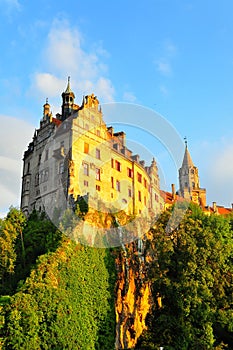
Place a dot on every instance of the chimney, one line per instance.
(173, 191)
(215, 207)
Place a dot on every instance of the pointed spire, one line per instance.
(68, 89)
(187, 161)
(46, 102)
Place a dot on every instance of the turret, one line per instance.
(46, 109)
(67, 101)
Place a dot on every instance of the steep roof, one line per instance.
(187, 161)
(68, 89)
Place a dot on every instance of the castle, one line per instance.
(76, 155)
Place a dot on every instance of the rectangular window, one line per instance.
(39, 159)
(61, 168)
(98, 132)
(139, 176)
(139, 196)
(112, 163)
(86, 148)
(145, 200)
(118, 185)
(112, 182)
(129, 192)
(145, 183)
(86, 169)
(28, 169)
(97, 153)
(37, 179)
(85, 183)
(118, 165)
(46, 175)
(27, 185)
(46, 154)
(130, 172)
(97, 174)
(97, 187)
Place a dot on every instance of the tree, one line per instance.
(192, 280)
(66, 303)
(11, 229)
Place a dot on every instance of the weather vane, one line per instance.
(185, 141)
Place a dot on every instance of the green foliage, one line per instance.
(11, 229)
(21, 242)
(66, 303)
(192, 274)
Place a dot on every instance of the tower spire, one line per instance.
(67, 101)
(68, 89)
(187, 160)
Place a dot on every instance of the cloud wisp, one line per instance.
(164, 62)
(217, 170)
(66, 55)
(14, 137)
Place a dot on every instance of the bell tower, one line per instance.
(67, 101)
(189, 180)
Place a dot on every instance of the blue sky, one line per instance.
(172, 56)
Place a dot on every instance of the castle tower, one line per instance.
(189, 180)
(67, 101)
(46, 109)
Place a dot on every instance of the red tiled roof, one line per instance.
(56, 121)
(224, 211)
(168, 197)
(219, 210)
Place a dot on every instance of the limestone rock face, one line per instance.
(133, 296)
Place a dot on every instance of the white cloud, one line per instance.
(49, 84)
(163, 67)
(167, 54)
(15, 134)
(104, 89)
(129, 97)
(216, 162)
(64, 55)
(170, 48)
(224, 164)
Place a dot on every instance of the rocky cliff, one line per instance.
(133, 294)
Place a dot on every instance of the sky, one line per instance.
(174, 57)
